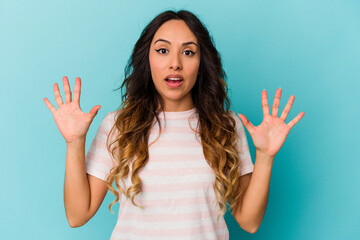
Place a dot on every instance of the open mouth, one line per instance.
(174, 80)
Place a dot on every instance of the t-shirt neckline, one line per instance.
(177, 115)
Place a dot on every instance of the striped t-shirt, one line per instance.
(177, 182)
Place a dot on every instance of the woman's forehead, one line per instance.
(174, 32)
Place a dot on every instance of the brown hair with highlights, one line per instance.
(139, 109)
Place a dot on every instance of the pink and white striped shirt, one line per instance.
(177, 182)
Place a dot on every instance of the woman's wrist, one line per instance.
(264, 158)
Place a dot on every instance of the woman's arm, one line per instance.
(252, 206)
(268, 138)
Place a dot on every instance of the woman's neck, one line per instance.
(178, 107)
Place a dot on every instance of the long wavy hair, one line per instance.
(141, 104)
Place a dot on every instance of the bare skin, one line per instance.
(270, 135)
(174, 50)
(83, 193)
(72, 122)
(268, 138)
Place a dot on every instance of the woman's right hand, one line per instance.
(72, 122)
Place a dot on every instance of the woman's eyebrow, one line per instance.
(185, 43)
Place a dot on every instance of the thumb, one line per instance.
(247, 124)
(94, 110)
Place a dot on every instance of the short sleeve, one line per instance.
(98, 160)
(242, 146)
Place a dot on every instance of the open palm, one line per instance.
(270, 135)
(72, 122)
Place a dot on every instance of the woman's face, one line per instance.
(174, 58)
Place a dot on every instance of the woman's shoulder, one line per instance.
(236, 117)
(113, 113)
(232, 113)
(111, 116)
(108, 120)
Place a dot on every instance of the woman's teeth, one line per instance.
(174, 79)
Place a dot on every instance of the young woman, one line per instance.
(176, 153)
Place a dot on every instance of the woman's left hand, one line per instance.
(270, 135)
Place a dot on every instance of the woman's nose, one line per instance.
(175, 62)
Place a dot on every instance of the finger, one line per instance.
(67, 89)
(265, 104)
(275, 106)
(50, 106)
(77, 90)
(287, 108)
(247, 124)
(95, 110)
(296, 119)
(58, 97)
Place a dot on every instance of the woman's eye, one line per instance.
(161, 50)
(189, 52)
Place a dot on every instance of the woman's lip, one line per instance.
(174, 76)
(174, 84)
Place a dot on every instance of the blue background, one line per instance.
(311, 49)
